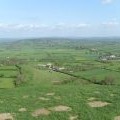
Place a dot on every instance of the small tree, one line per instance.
(1, 75)
(94, 80)
(19, 79)
(19, 69)
(108, 80)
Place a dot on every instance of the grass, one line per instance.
(76, 96)
(6, 83)
(73, 92)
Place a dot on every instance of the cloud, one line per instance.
(112, 23)
(64, 26)
(32, 27)
(107, 1)
(22, 26)
(83, 25)
(108, 28)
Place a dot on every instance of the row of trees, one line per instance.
(12, 61)
(20, 77)
(108, 80)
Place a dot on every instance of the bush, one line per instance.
(94, 80)
(12, 76)
(2, 75)
(108, 80)
(19, 80)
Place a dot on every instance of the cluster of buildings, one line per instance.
(109, 57)
(50, 66)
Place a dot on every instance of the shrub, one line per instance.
(108, 80)
(19, 79)
(94, 80)
(2, 75)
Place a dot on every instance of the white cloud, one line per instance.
(2, 25)
(108, 28)
(107, 1)
(112, 23)
(29, 27)
(64, 26)
(56, 27)
(22, 26)
(83, 25)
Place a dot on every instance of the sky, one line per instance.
(59, 18)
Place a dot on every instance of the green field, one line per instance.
(78, 86)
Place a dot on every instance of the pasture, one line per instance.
(60, 79)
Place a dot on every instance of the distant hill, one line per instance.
(60, 39)
(8, 39)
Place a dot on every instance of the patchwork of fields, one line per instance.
(60, 79)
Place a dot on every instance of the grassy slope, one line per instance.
(74, 94)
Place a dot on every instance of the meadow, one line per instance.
(60, 79)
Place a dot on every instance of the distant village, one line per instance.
(107, 57)
(51, 67)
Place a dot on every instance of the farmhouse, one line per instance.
(41, 65)
(55, 69)
(62, 68)
(93, 49)
(104, 59)
(110, 57)
(49, 65)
